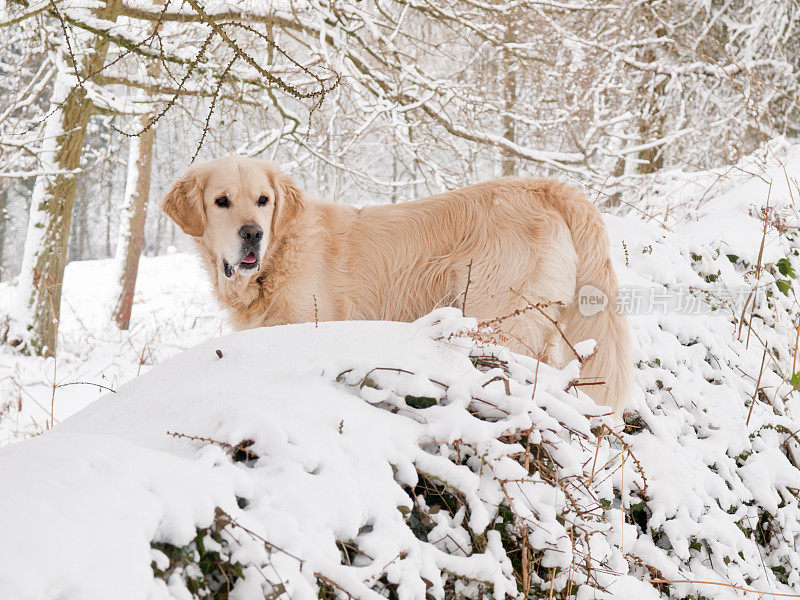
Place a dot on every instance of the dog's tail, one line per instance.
(593, 313)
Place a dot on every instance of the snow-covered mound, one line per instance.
(173, 310)
(405, 460)
(350, 456)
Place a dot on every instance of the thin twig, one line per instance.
(200, 438)
(758, 384)
(727, 585)
(466, 288)
(101, 386)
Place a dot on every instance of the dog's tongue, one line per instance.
(249, 259)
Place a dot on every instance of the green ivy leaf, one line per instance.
(785, 268)
(420, 401)
(795, 380)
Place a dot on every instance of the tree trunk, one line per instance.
(395, 177)
(3, 220)
(131, 223)
(156, 249)
(85, 245)
(78, 236)
(509, 163)
(37, 306)
(652, 121)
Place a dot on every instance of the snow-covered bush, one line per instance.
(345, 459)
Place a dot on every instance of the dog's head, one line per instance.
(236, 207)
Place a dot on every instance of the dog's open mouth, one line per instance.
(250, 261)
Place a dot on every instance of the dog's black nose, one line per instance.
(251, 233)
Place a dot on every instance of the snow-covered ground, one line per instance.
(377, 458)
(173, 310)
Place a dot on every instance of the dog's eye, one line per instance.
(222, 202)
(263, 200)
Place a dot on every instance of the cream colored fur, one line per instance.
(529, 241)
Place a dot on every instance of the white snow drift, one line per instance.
(329, 412)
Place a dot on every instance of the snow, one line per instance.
(173, 310)
(389, 455)
(331, 464)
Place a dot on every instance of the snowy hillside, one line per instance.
(405, 460)
(173, 310)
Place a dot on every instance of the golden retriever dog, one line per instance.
(277, 256)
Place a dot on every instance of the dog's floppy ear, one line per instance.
(288, 204)
(184, 203)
